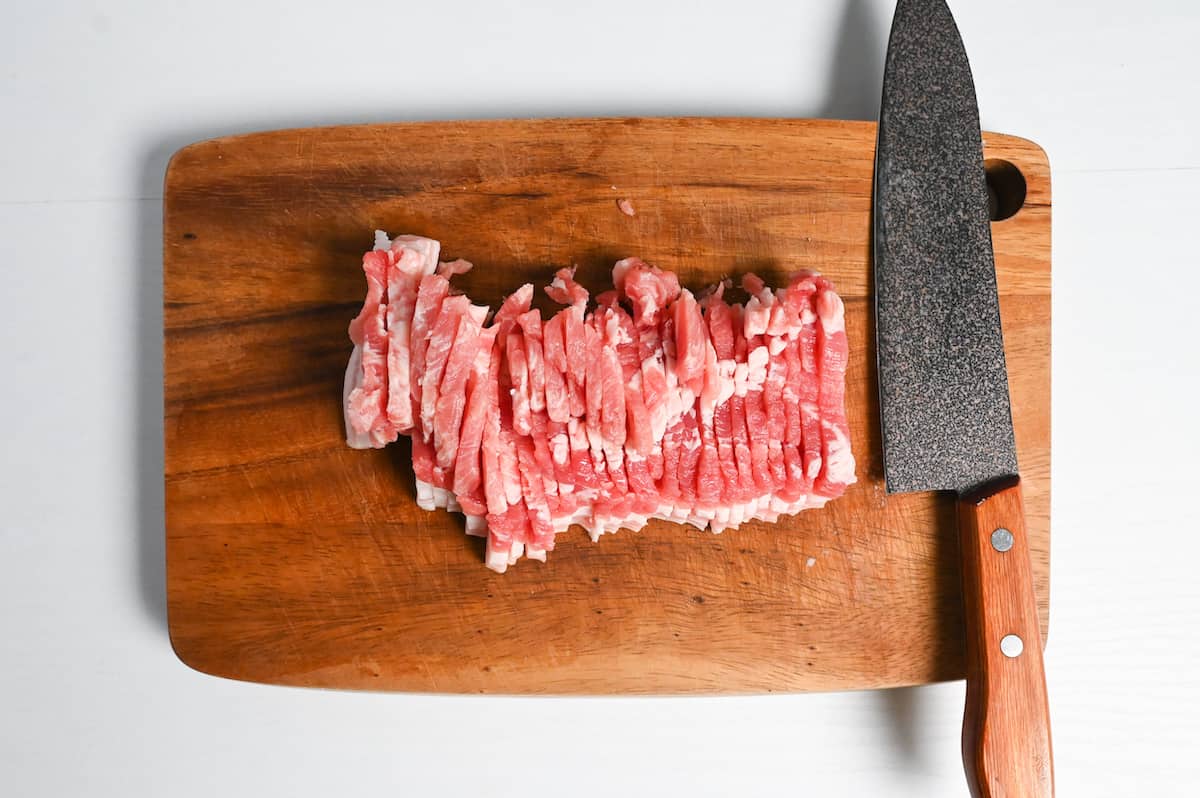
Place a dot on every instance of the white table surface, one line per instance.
(95, 96)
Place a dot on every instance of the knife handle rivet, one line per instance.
(1002, 539)
(1011, 646)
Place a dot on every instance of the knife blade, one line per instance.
(945, 411)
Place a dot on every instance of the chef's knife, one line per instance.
(943, 385)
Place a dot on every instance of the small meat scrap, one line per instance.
(647, 401)
(626, 207)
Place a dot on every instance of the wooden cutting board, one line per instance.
(292, 559)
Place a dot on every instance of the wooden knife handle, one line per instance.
(1006, 725)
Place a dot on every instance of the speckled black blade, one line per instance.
(943, 387)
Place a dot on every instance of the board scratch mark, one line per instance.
(370, 571)
(363, 503)
(430, 673)
(244, 470)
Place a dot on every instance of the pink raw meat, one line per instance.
(452, 393)
(594, 385)
(565, 290)
(366, 396)
(690, 340)
(720, 326)
(772, 399)
(612, 407)
(506, 337)
(433, 289)
(544, 459)
(723, 433)
(655, 404)
(441, 340)
(832, 357)
(489, 452)
(450, 268)
(554, 357)
(531, 325)
(533, 490)
(582, 466)
(708, 474)
(484, 374)
(741, 449)
(410, 258)
(810, 386)
(689, 456)
(639, 438)
(668, 486)
(518, 375)
(649, 289)
(500, 469)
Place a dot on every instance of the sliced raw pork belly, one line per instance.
(365, 397)
(658, 403)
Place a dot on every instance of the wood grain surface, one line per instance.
(292, 559)
(1006, 724)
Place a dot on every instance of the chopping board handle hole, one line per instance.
(1006, 188)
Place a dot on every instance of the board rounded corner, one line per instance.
(189, 659)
